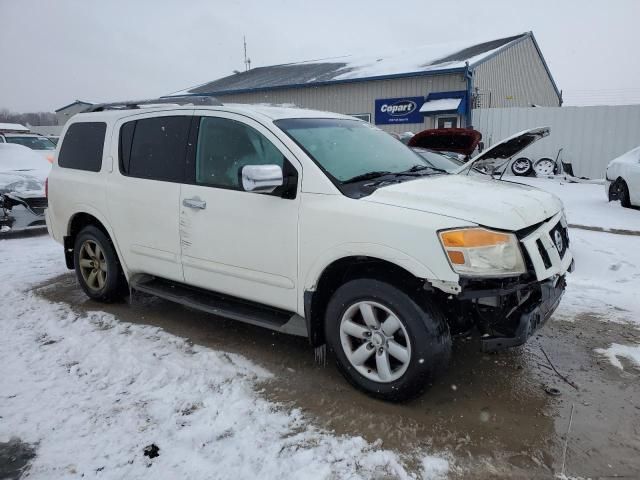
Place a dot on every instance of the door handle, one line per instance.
(194, 203)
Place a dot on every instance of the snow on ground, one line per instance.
(91, 392)
(630, 352)
(586, 203)
(606, 277)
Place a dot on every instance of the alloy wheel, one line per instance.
(93, 265)
(375, 341)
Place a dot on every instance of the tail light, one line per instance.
(46, 188)
(50, 158)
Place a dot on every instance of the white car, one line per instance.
(22, 188)
(309, 223)
(622, 179)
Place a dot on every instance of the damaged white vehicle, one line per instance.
(622, 179)
(23, 199)
(308, 223)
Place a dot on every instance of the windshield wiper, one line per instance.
(368, 176)
(420, 168)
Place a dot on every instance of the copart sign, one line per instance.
(399, 110)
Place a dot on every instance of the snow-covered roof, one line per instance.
(14, 127)
(440, 105)
(75, 102)
(420, 60)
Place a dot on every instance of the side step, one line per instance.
(223, 305)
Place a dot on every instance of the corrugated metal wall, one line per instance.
(589, 136)
(515, 78)
(352, 98)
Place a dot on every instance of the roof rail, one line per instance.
(196, 100)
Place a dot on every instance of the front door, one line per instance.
(235, 242)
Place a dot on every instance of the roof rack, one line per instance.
(196, 100)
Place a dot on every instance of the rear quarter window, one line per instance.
(82, 146)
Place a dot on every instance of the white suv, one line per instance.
(309, 223)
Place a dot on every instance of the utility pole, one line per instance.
(247, 61)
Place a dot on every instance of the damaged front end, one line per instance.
(507, 311)
(18, 213)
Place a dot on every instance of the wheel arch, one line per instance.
(346, 268)
(76, 223)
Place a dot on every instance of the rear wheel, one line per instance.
(384, 342)
(97, 266)
(522, 167)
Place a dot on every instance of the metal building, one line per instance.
(434, 86)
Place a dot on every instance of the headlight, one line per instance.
(482, 252)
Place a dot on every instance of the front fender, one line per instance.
(381, 252)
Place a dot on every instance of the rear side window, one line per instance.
(155, 148)
(82, 146)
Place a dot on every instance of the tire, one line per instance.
(620, 191)
(105, 283)
(417, 346)
(522, 167)
(545, 166)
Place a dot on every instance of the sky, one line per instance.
(55, 51)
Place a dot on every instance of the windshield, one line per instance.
(350, 149)
(33, 142)
(440, 160)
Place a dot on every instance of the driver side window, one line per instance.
(225, 146)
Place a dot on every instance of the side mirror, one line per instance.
(261, 178)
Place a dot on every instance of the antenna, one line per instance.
(247, 61)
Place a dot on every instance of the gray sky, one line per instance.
(52, 52)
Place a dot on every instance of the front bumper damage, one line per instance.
(507, 311)
(17, 213)
(522, 321)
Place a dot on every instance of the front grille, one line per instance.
(543, 254)
(560, 238)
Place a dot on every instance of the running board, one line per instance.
(223, 305)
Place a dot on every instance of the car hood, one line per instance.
(482, 200)
(22, 184)
(498, 155)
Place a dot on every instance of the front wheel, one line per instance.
(620, 191)
(384, 342)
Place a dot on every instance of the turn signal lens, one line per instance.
(473, 237)
(50, 158)
(456, 257)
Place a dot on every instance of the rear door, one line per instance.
(144, 190)
(235, 242)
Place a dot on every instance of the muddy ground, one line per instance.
(491, 412)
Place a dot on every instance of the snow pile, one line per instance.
(630, 352)
(606, 277)
(587, 204)
(93, 392)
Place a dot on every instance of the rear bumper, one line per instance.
(529, 317)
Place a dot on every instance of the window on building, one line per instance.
(225, 146)
(155, 148)
(82, 146)
(361, 116)
(447, 121)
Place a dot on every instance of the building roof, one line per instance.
(13, 127)
(426, 60)
(75, 102)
